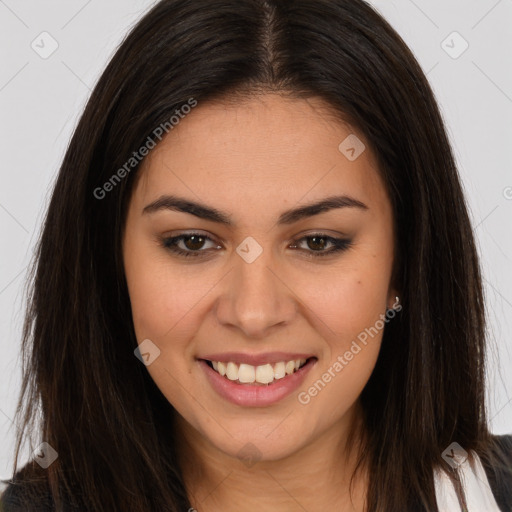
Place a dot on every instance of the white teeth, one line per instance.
(246, 373)
(232, 371)
(263, 374)
(221, 368)
(279, 370)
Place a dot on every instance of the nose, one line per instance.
(255, 298)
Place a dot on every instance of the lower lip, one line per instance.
(250, 395)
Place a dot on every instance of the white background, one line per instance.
(41, 100)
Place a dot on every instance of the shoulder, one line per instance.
(497, 463)
(28, 491)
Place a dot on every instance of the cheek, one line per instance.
(337, 386)
(161, 298)
(347, 300)
(355, 314)
(356, 325)
(162, 302)
(351, 303)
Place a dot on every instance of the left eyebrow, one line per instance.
(169, 202)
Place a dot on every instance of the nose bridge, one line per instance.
(256, 299)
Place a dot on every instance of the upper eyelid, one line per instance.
(309, 234)
(192, 233)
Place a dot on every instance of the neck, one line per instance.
(315, 477)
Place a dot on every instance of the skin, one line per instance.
(255, 159)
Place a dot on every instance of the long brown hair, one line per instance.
(99, 408)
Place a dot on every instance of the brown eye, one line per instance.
(316, 245)
(192, 244)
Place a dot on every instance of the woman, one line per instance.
(257, 283)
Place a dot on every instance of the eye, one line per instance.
(193, 244)
(317, 242)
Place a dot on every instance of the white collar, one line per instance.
(478, 492)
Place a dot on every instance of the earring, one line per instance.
(395, 308)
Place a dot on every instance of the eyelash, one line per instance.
(339, 245)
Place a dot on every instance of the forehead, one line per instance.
(268, 149)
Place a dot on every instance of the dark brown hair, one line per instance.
(99, 407)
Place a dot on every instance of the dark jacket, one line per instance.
(27, 496)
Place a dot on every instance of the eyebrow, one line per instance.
(179, 204)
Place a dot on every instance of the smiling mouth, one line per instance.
(257, 375)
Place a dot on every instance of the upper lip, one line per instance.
(256, 359)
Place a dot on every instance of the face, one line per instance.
(241, 286)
